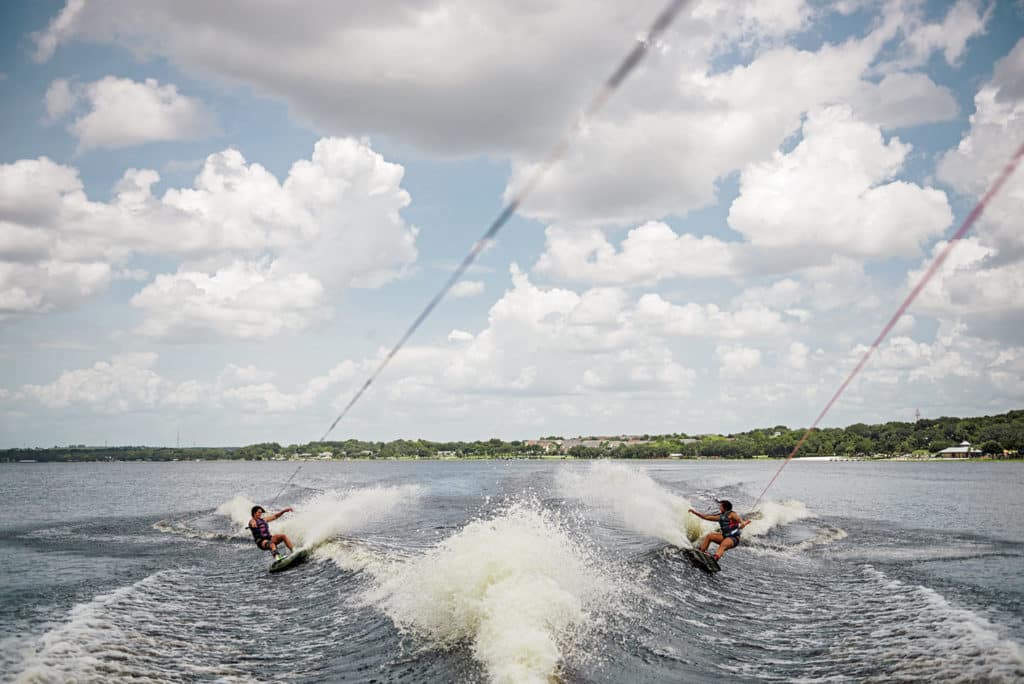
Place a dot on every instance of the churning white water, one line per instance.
(515, 587)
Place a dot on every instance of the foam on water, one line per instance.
(824, 535)
(636, 500)
(353, 555)
(128, 633)
(894, 553)
(515, 587)
(185, 530)
(929, 637)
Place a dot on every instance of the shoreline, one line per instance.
(809, 459)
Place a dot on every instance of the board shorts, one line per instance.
(735, 539)
(264, 544)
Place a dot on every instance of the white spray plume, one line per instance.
(238, 509)
(330, 514)
(776, 514)
(644, 506)
(515, 587)
(637, 501)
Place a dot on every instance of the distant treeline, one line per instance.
(991, 434)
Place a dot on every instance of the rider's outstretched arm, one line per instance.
(277, 515)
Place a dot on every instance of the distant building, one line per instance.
(965, 450)
(602, 442)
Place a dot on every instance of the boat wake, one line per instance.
(530, 591)
(515, 587)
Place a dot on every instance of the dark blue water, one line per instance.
(512, 572)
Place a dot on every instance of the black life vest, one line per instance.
(730, 528)
(260, 531)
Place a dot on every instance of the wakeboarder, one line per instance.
(730, 523)
(260, 529)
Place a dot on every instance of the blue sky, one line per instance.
(711, 256)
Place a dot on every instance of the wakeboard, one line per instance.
(294, 558)
(702, 560)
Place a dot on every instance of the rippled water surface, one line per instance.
(511, 571)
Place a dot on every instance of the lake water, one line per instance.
(511, 572)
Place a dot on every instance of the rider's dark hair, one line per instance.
(256, 508)
(726, 504)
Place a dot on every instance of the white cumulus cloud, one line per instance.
(973, 285)
(477, 73)
(127, 382)
(466, 288)
(836, 191)
(481, 81)
(649, 253)
(736, 360)
(120, 112)
(132, 382)
(964, 20)
(59, 100)
(904, 99)
(253, 247)
(981, 281)
(708, 320)
(997, 128)
(242, 300)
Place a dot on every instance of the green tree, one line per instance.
(992, 448)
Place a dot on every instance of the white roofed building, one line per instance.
(965, 450)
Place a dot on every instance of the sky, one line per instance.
(216, 218)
